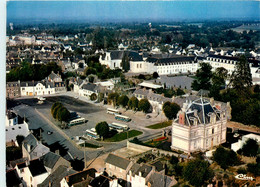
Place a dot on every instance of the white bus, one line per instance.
(122, 118)
(91, 133)
(77, 121)
(113, 111)
(118, 126)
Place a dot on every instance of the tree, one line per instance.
(102, 129)
(54, 105)
(203, 77)
(250, 148)
(89, 70)
(133, 103)
(144, 105)
(170, 110)
(91, 79)
(125, 63)
(55, 110)
(123, 100)
(100, 97)
(113, 98)
(180, 92)
(93, 97)
(197, 172)
(155, 75)
(225, 157)
(254, 168)
(241, 78)
(64, 114)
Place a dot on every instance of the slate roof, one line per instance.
(255, 63)
(204, 110)
(36, 167)
(30, 140)
(11, 115)
(57, 176)
(158, 166)
(117, 161)
(152, 96)
(13, 163)
(50, 159)
(171, 60)
(134, 168)
(133, 55)
(100, 181)
(28, 83)
(90, 86)
(12, 178)
(145, 170)
(157, 179)
(78, 177)
(13, 84)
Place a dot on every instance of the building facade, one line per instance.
(199, 126)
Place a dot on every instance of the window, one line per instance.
(212, 130)
(6, 130)
(19, 127)
(12, 128)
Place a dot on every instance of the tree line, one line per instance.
(36, 72)
(244, 98)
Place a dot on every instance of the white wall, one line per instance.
(12, 131)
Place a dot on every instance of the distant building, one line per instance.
(199, 126)
(13, 89)
(156, 100)
(229, 64)
(165, 66)
(113, 59)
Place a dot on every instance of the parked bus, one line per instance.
(91, 133)
(113, 111)
(122, 118)
(118, 126)
(76, 121)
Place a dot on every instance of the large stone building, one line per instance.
(13, 89)
(199, 126)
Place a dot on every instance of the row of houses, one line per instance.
(41, 167)
(166, 64)
(50, 85)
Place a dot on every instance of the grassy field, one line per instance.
(123, 135)
(160, 125)
(89, 145)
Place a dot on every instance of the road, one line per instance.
(38, 117)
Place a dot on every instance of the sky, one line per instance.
(132, 10)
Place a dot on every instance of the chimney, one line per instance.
(57, 152)
(195, 113)
(211, 101)
(212, 118)
(181, 117)
(195, 121)
(28, 148)
(67, 179)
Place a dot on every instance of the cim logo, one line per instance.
(243, 177)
